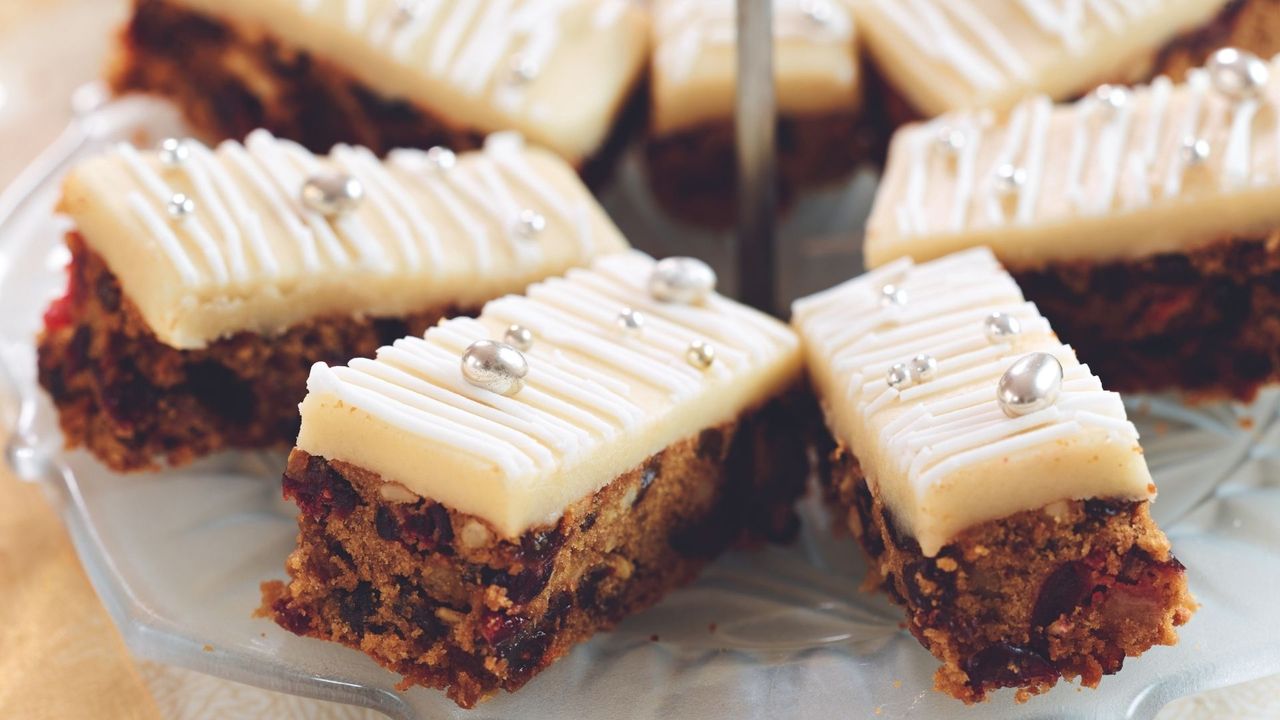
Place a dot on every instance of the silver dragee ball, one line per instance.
(530, 224)
(899, 376)
(893, 295)
(631, 320)
(1237, 74)
(523, 70)
(180, 207)
(332, 194)
(1031, 384)
(495, 366)
(1112, 97)
(999, 327)
(519, 337)
(701, 354)
(923, 368)
(174, 152)
(682, 280)
(1010, 178)
(950, 141)
(441, 158)
(1194, 150)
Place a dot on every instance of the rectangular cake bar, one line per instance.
(477, 501)
(1142, 221)
(998, 490)
(690, 150)
(936, 56)
(205, 282)
(395, 73)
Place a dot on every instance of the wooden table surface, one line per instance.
(60, 656)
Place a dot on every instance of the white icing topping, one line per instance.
(694, 60)
(941, 454)
(455, 58)
(253, 257)
(597, 400)
(952, 54)
(1102, 181)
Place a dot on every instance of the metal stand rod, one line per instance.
(755, 122)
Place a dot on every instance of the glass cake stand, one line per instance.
(177, 556)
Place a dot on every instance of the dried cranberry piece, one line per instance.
(221, 391)
(558, 608)
(539, 545)
(870, 537)
(321, 491)
(356, 606)
(928, 587)
(1006, 665)
(900, 539)
(524, 653)
(427, 528)
(294, 619)
(1102, 508)
(497, 628)
(130, 398)
(1060, 593)
(589, 587)
(388, 330)
(711, 444)
(588, 522)
(386, 524)
(526, 585)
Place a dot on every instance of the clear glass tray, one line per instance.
(177, 556)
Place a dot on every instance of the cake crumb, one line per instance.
(1246, 423)
(208, 648)
(879, 709)
(897, 684)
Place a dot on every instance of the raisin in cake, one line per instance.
(690, 150)
(395, 73)
(1145, 223)
(477, 501)
(998, 490)
(934, 56)
(205, 282)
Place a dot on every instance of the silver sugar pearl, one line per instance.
(999, 327)
(923, 368)
(631, 320)
(406, 11)
(441, 158)
(950, 141)
(899, 376)
(180, 207)
(1010, 178)
(523, 70)
(700, 354)
(1237, 74)
(332, 194)
(519, 337)
(1194, 151)
(891, 294)
(174, 152)
(1112, 97)
(682, 280)
(1030, 385)
(529, 224)
(494, 366)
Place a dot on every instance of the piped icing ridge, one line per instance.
(942, 453)
(598, 398)
(209, 242)
(947, 55)
(490, 65)
(694, 59)
(1122, 173)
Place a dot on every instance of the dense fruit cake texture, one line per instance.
(374, 75)
(439, 597)
(998, 490)
(1065, 591)
(132, 400)
(1206, 321)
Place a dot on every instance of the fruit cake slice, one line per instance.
(477, 501)
(396, 73)
(999, 492)
(205, 282)
(1143, 222)
(936, 56)
(693, 83)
